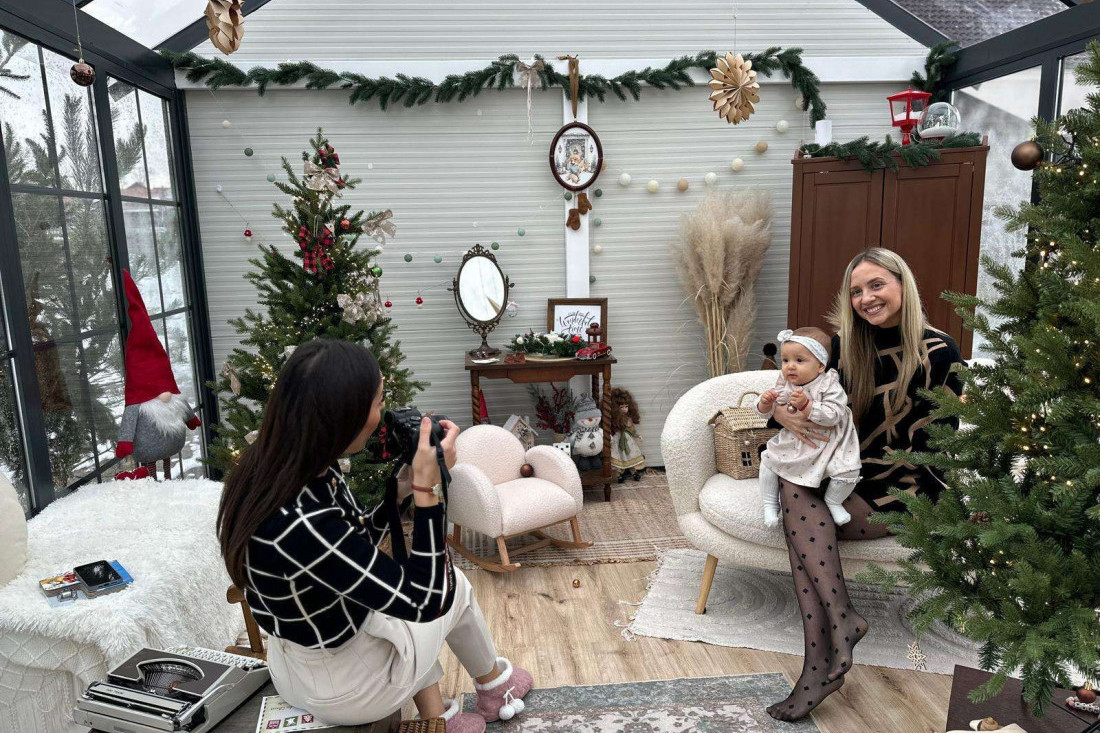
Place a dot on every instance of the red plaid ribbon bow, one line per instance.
(314, 246)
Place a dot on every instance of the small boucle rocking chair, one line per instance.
(489, 495)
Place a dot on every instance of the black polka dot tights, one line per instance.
(831, 627)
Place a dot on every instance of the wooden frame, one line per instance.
(502, 562)
(553, 303)
(581, 185)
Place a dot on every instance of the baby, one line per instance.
(807, 385)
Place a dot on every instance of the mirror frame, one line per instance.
(481, 328)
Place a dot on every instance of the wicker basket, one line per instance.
(740, 434)
(432, 725)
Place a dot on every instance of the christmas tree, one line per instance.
(1011, 552)
(328, 289)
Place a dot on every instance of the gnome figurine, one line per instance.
(587, 436)
(157, 418)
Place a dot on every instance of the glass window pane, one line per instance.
(12, 463)
(64, 411)
(89, 256)
(128, 139)
(179, 352)
(106, 387)
(143, 257)
(169, 255)
(192, 455)
(73, 115)
(1003, 108)
(154, 118)
(1073, 94)
(45, 274)
(28, 147)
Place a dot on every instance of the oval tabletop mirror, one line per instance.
(481, 293)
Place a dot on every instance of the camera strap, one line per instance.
(397, 536)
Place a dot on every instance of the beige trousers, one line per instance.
(383, 665)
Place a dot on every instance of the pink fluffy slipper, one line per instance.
(460, 722)
(502, 698)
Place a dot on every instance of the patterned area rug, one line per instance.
(756, 609)
(714, 704)
(637, 524)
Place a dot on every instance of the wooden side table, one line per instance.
(1009, 706)
(533, 372)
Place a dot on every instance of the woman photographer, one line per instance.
(353, 634)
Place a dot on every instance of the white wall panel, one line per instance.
(327, 31)
(670, 135)
(440, 168)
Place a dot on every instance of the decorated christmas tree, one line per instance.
(1011, 552)
(328, 289)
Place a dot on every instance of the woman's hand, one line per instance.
(425, 465)
(800, 425)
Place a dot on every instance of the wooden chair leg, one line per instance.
(576, 527)
(502, 549)
(255, 646)
(503, 566)
(708, 579)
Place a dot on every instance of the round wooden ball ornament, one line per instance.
(762, 146)
(1027, 155)
(526, 470)
(736, 164)
(82, 73)
(682, 185)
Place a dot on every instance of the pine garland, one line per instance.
(941, 57)
(500, 74)
(873, 155)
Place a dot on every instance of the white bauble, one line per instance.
(226, 124)
(736, 164)
(624, 179)
(711, 178)
(597, 248)
(782, 126)
(652, 186)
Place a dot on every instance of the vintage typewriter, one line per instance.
(181, 689)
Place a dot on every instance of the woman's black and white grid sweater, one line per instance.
(315, 572)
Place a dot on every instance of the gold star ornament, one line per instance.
(917, 657)
(735, 89)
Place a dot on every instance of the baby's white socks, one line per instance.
(840, 488)
(769, 495)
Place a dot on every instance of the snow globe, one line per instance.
(941, 120)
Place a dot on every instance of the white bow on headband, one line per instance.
(815, 348)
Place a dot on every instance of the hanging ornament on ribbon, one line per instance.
(574, 80)
(358, 308)
(576, 155)
(528, 72)
(735, 89)
(379, 226)
(314, 247)
(82, 73)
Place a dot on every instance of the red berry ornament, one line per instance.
(389, 304)
(248, 232)
(419, 302)
(345, 224)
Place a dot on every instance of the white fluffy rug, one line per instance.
(756, 609)
(163, 533)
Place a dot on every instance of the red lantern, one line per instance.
(905, 110)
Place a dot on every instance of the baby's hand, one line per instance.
(768, 399)
(799, 400)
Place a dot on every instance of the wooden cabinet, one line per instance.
(931, 216)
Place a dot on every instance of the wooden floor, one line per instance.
(566, 636)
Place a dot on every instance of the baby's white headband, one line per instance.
(812, 344)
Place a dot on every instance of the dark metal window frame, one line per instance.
(48, 23)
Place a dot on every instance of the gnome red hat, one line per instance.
(148, 370)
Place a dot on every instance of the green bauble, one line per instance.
(248, 152)
(271, 178)
(496, 245)
(567, 196)
(376, 271)
(597, 221)
(591, 279)
(438, 259)
(598, 192)
(408, 258)
(521, 231)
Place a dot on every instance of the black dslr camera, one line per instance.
(400, 434)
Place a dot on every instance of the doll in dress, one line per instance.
(626, 451)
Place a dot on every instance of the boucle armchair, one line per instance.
(488, 494)
(723, 516)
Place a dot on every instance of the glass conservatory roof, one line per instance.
(149, 22)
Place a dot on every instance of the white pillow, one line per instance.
(13, 533)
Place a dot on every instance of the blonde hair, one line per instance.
(857, 336)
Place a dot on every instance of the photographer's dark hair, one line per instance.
(321, 401)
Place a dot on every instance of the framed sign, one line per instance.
(575, 315)
(576, 156)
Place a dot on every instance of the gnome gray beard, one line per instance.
(168, 418)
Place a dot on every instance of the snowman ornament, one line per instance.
(512, 705)
(587, 435)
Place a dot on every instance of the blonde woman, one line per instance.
(885, 351)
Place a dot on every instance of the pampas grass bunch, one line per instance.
(719, 256)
